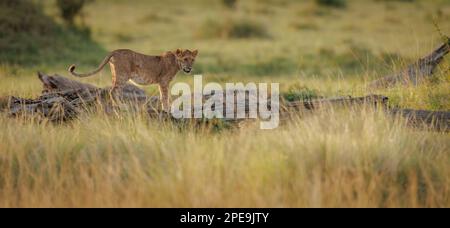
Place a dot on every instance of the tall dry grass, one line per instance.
(338, 158)
(341, 158)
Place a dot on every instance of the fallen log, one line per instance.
(315, 104)
(63, 99)
(434, 120)
(416, 72)
(437, 120)
(55, 108)
(58, 84)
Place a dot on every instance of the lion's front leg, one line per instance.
(164, 96)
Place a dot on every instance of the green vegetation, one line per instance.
(230, 3)
(70, 8)
(297, 92)
(332, 3)
(29, 37)
(234, 29)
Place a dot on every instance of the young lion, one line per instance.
(145, 69)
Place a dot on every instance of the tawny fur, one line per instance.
(145, 69)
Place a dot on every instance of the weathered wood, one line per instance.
(52, 108)
(438, 120)
(63, 99)
(315, 104)
(435, 120)
(416, 72)
(58, 84)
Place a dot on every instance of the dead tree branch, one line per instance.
(416, 72)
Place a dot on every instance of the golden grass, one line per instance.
(338, 158)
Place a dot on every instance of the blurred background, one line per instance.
(312, 47)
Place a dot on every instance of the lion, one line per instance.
(145, 69)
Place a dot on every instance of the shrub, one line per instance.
(298, 92)
(69, 9)
(247, 29)
(332, 3)
(234, 29)
(22, 16)
(22, 28)
(230, 3)
(29, 37)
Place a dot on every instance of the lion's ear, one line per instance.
(195, 52)
(178, 52)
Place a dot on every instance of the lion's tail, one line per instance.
(105, 61)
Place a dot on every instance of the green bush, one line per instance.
(298, 92)
(22, 16)
(332, 3)
(246, 29)
(230, 3)
(232, 29)
(29, 37)
(22, 28)
(69, 9)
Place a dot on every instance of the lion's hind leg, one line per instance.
(119, 79)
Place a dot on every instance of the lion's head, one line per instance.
(186, 59)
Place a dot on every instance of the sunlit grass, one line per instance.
(335, 158)
(332, 159)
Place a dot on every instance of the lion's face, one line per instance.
(186, 59)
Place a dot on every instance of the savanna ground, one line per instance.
(337, 158)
